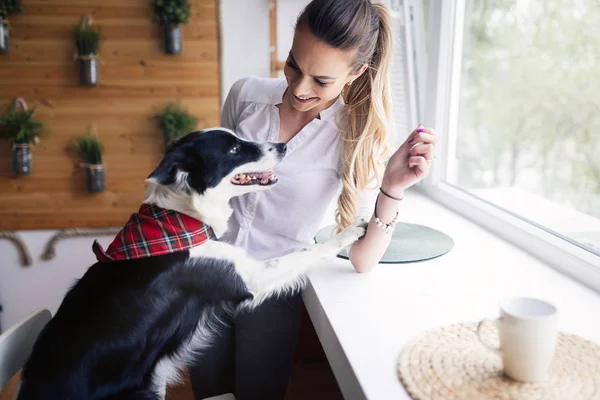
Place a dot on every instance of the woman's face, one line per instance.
(316, 72)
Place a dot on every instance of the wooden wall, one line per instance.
(136, 80)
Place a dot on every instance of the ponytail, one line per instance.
(366, 27)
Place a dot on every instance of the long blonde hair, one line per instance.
(365, 27)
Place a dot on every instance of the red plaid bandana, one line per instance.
(154, 231)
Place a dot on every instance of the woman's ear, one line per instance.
(356, 75)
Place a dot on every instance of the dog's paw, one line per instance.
(361, 223)
(352, 233)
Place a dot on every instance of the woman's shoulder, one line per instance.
(257, 89)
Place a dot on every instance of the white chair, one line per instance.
(17, 342)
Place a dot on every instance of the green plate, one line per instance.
(410, 243)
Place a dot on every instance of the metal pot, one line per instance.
(88, 71)
(4, 37)
(172, 39)
(95, 178)
(21, 160)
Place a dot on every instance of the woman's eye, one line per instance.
(235, 149)
(322, 84)
(292, 66)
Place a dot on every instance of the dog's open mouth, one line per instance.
(255, 178)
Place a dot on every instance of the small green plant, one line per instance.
(86, 38)
(9, 7)
(176, 122)
(171, 12)
(20, 127)
(89, 148)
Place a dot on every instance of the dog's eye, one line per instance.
(235, 149)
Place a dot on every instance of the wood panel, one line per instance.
(136, 80)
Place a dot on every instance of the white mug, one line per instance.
(528, 331)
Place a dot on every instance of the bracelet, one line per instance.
(380, 224)
(391, 197)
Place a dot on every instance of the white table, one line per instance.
(364, 320)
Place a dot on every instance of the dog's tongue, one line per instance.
(264, 177)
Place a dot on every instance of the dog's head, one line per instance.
(218, 159)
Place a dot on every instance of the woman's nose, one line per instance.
(302, 87)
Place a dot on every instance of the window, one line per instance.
(402, 80)
(528, 123)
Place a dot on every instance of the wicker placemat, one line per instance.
(450, 363)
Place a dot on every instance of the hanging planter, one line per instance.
(21, 159)
(20, 128)
(95, 178)
(7, 7)
(4, 36)
(175, 122)
(172, 39)
(170, 15)
(86, 39)
(90, 149)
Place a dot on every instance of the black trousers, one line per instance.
(253, 356)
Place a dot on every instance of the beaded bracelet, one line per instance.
(380, 224)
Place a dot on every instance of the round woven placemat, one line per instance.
(450, 363)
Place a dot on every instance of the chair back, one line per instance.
(17, 342)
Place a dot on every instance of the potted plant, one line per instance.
(86, 39)
(19, 127)
(90, 149)
(170, 15)
(7, 7)
(176, 122)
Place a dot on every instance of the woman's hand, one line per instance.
(411, 162)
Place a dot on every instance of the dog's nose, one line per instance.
(281, 148)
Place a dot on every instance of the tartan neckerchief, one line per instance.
(154, 231)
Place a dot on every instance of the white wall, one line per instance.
(43, 284)
(245, 35)
(244, 40)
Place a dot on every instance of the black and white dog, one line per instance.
(129, 326)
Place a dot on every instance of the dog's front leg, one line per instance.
(286, 273)
(278, 275)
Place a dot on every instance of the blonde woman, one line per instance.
(333, 110)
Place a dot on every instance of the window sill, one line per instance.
(364, 320)
(553, 249)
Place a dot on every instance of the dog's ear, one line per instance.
(166, 172)
(184, 171)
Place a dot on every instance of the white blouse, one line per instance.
(287, 216)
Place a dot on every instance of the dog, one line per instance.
(154, 300)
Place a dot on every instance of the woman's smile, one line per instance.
(303, 99)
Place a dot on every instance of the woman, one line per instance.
(333, 109)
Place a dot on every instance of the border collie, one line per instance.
(157, 295)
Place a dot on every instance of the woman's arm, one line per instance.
(366, 253)
(407, 166)
(231, 107)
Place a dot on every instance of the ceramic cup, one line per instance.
(528, 332)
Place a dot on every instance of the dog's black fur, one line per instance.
(120, 319)
(126, 327)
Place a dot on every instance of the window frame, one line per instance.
(441, 79)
